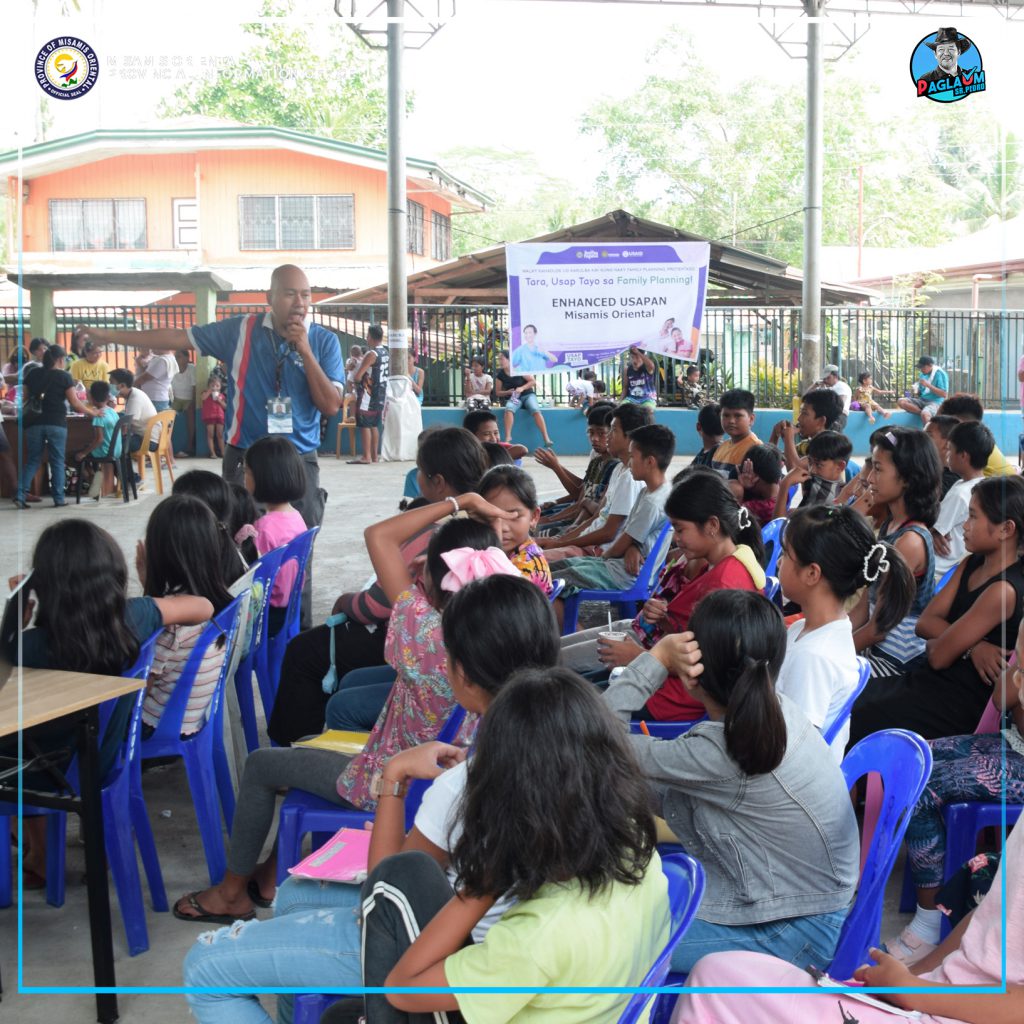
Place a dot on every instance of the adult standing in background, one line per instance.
(155, 379)
(371, 394)
(279, 355)
(833, 382)
(183, 397)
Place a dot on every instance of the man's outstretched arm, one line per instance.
(160, 337)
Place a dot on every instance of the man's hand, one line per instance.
(296, 336)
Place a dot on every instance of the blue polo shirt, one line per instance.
(253, 352)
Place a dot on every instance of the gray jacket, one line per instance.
(784, 844)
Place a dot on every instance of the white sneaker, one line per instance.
(908, 947)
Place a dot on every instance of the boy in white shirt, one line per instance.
(970, 446)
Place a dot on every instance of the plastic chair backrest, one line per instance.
(557, 586)
(166, 421)
(830, 730)
(263, 579)
(771, 587)
(771, 534)
(223, 624)
(685, 890)
(904, 762)
(648, 574)
(298, 550)
(946, 577)
(118, 438)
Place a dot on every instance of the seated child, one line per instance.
(864, 396)
(969, 407)
(709, 430)
(275, 477)
(819, 410)
(651, 450)
(182, 555)
(938, 429)
(969, 447)
(483, 425)
(757, 488)
(104, 430)
(737, 412)
(691, 394)
(821, 474)
(583, 495)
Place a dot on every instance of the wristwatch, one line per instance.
(379, 786)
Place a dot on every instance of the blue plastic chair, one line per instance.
(262, 584)
(771, 536)
(303, 812)
(666, 730)
(117, 825)
(830, 730)
(198, 749)
(271, 648)
(625, 600)
(557, 586)
(772, 589)
(904, 762)
(946, 577)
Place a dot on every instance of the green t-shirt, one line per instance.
(562, 937)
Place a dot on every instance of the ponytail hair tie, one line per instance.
(743, 518)
(882, 565)
(469, 564)
(245, 533)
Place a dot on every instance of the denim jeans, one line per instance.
(54, 439)
(361, 694)
(312, 941)
(799, 940)
(161, 406)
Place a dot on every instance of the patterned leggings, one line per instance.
(964, 768)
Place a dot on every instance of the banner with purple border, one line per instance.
(574, 306)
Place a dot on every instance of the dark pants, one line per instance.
(360, 698)
(401, 895)
(299, 707)
(310, 506)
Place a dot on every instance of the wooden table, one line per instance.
(46, 694)
(79, 435)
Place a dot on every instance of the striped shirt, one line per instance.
(902, 642)
(254, 354)
(173, 647)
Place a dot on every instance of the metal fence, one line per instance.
(754, 347)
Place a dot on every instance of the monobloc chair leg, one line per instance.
(204, 796)
(222, 771)
(571, 616)
(120, 844)
(289, 840)
(144, 839)
(56, 856)
(247, 702)
(5, 865)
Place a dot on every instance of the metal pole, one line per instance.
(810, 341)
(398, 317)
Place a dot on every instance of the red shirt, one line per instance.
(672, 703)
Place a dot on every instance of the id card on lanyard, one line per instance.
(279, 408)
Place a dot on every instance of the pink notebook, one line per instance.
(341, 859)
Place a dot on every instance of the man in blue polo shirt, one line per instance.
(284, 372)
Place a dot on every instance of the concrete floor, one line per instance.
(56, 941)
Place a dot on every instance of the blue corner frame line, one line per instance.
(24, 989)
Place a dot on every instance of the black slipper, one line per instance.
(253, 890)
(203, 916)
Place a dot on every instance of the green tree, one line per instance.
(726, 161)
(329, 84)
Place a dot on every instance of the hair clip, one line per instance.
(743, 518)
(882, 566)
(891, 438)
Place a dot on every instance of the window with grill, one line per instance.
(97, 224)
(440, 236)
(296, 222)
(415, 228)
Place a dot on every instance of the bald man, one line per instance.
(283, 372)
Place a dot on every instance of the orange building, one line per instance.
(202, 213)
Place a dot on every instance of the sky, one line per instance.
(515, 74)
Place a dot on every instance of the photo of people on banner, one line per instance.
(575, 306)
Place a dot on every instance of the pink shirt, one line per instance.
(274, 529)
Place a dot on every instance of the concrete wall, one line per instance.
(567, 428)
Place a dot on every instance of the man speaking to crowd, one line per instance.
(283, 372)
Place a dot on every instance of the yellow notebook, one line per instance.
(338, 740)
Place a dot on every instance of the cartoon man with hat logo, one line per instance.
(948, 47)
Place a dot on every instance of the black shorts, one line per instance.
(4, 444)
(369, 418)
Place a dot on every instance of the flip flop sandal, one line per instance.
(256, 896)
(358, 462)
(203, 916)
(30, 880)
